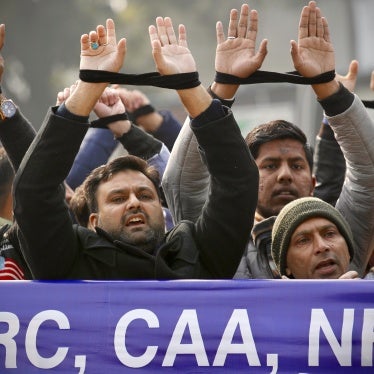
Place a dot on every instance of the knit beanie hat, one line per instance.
(295, 213)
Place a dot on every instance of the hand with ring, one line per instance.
(100, 51)
(237, 54)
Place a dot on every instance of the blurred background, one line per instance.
(42, 50)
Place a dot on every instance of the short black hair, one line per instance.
(104, 172)
(277, 129)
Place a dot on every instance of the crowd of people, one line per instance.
(134, 194)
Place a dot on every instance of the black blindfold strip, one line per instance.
(368, 103)
(102, 123)
(261, 76)
(174, 81)
(141, 111)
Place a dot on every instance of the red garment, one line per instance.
(10, 270)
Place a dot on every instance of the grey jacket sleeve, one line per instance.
(186, 178)
(354, 131)
(329, 169)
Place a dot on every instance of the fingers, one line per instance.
(233, 24)
(253, 26)
(350, 275)
(165, 31)
(163, 34)
(161, 31)
(109, 35)
(353, 70)
(319, 24)
(304, 23)
(326, 30)
(170, 31)
(182, 36)
(219, 33)
(244, 25)
(243, 21)
(63, 95)
(312, 19)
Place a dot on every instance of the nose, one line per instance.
(284, 173)
(133, 202)
(320, 244)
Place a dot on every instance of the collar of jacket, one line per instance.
(101, 246)
(262, 230)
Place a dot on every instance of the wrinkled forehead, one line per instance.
(126, 180)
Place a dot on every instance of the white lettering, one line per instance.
(239, 318)
(6, 339)
(31, 334)
(367, 338)
(188, 319)
(120, 338)
(272, 360)
(342, 352)
(80, 363)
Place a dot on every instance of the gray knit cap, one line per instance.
(295, 213)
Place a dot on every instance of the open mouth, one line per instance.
(326, 267)
(135, 221)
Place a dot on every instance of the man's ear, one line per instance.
(93, 220)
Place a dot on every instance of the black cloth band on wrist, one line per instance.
(225, 102)
(142, 111)
(368, 103)
(102, 123)
(261, 76)
(174, 81)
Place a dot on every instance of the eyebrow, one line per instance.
(323, 228)
(125, 189)
(297, 158)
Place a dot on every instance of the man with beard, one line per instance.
(126, 239)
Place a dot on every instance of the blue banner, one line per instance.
(249, 326)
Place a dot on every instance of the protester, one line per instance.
(136, 141)
(290, 179)
(125, 209)
(312, 240)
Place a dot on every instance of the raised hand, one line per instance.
(313, 54)
(349, 80)
(237, 54)
(65, 93)
(109, 104)
(171, 56)
(100, 51)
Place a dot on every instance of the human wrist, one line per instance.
(224, 91)
(195, 100)
(325, 90)
(83, 99)
(150, 122)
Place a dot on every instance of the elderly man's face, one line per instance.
(317, 250)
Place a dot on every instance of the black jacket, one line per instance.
(211, 247)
